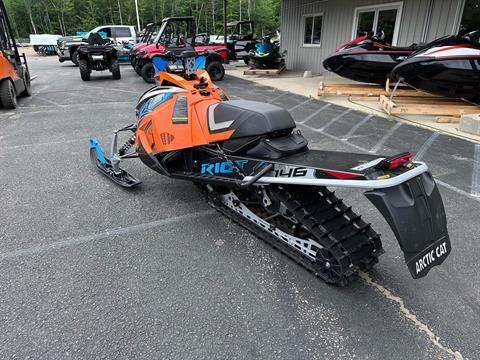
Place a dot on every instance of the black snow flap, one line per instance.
(414, 210)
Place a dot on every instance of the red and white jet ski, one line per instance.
(367, 59)
(447, 67)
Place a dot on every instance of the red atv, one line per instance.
(173, 36)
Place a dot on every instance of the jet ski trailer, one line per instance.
(448, 67)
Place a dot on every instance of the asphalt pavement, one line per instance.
(89, 270)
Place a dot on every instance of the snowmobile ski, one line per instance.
(104, 165)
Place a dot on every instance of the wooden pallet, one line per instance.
(427, 106)
(264, 71)
(366, 91)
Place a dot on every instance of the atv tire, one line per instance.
(138, 69)
(148, 73)
(75, 58)
(8, 95)
(84, 70)
(115, 70)
(28, 85)
(215, 70)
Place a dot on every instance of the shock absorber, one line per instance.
(128, 144)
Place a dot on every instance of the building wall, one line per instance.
(338, 18)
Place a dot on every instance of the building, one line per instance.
(311, 30)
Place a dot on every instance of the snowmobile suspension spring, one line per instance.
(128, 144)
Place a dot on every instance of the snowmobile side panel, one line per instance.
(414, 210)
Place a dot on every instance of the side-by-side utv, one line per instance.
(175, 35)
(14, 74)
(241, 40)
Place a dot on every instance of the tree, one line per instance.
(28, 7)
(68, 16)
(62, 9)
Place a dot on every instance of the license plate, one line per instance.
(97, 57)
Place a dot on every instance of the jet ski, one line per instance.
(266, 55)
(368, 59)
(448, 67)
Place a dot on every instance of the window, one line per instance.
(471, 15)
(107, 31)
(312, 33)
(121, 32)
(382, 20)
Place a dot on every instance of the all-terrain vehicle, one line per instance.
(14, 73)
(98, 55)
(257, 169)
(67, 46)
(177, 33)
(266, 55)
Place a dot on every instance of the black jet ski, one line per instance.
(266, 55)
(448, 67)
(367, 59)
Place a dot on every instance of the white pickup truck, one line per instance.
(68, 45)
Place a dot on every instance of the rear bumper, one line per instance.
(414, 210)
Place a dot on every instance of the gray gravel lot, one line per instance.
(89, 270)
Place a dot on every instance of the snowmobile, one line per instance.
(266, 55)
(448, 67)
(367, 59)
(255, 168)
(98, 55)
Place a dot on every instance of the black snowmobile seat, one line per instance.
(248, 118)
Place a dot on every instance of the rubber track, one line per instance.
(335, 226)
